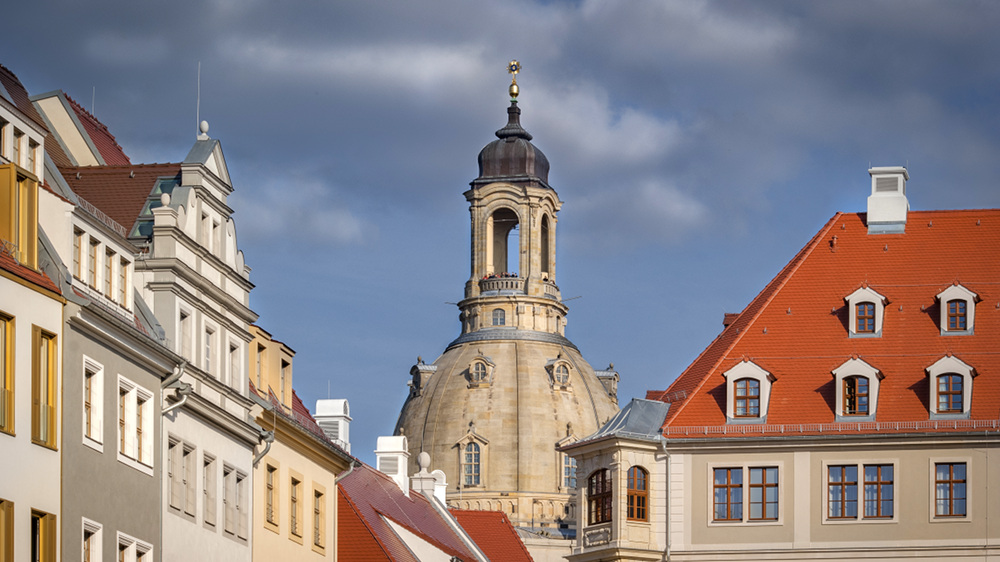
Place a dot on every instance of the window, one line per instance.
(295, 514)
(949, 489)
(181, 475)
(92, 263)
(91, 541)
(234, 501)
(93, 402)
(569, 472)
(286, 372)
(109, 277)
(43, 388)
(78, 253)
(260, 366)
(478, 372)
(6, 531)
(747, 392)
(6, 374)
(242, 505)
(562, 374)
(499, 317)
(728, 494)
(764, 494)
(123, 282)
(135, 415)
(470, 464)
(865, 317)
(878, 490)
(133, 550)
(208, 488)
(19, 207)
(318, 519)
(638, 482)
(856, 396)
(599, 497)
(842, 492)
(43, 537)
(956, 315)
(32, 155)
(949, 393)
(209, 343)
(271, 495)
(16, 154)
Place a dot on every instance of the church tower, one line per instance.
(492, 409)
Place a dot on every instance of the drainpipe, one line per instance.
(666, 454)
(178, 373)
(181, 393)
(267, 437)
(350, 469)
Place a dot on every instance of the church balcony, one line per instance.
(501, 283)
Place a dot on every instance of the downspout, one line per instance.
(181, 394)
(268, 438)
(666, 454)
(350, 469)
(182, 390)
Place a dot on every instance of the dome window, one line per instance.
(499, 317)
(480, 372)
(958, 310)
(559, 370)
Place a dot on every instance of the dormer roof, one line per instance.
(798, 322)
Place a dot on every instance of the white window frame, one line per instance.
(209, 491)
(95, 439)
(933, 517)
(185, 341)
(850, 368)
(951, 364)
(860, 464)
(865, 294)
(958, 292)
(209, 347)
(234, 368)
(135, 393)
(135, 549)
(745, 467)
(747, 369)
(97, 540)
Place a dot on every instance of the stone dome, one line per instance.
(512, 156)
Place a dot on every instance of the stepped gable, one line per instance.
(368, 499)
(797, 327)
(105, 142)
(118, 191)
(494, 534)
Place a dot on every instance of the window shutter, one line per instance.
(244, 507)
(191, 483)
(230, 502)
(147, 432)
(176, 489)
(97, 407)
(36, 382)
(130, 444)
(210, 493)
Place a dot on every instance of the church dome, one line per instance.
(512, 156)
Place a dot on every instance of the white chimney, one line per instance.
(887, 205)
(334, 418)
(392, 458)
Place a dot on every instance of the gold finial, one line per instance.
(513, 67)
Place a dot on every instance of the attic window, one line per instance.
(867, 311)
(857, 385)
(951, 388)
(480, 371)
(559, 370)
(748, 393)
(958, 310)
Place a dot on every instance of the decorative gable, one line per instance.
(958, 310)
(867, 310)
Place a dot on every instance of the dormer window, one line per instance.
(958, 310)
(857, 385)
(559, 370)
(867, 311)
(749, 388)
(561, 374)
(480, 371)
(951, 388)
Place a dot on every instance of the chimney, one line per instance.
(887, 205)
(334, 418)
(391, 458)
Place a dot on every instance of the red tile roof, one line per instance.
(20, 98)
(39, 278)
(796, 328)
(494, 534)
(367, 499)
(103, 139)
(118, 191)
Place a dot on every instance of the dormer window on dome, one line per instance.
(559, 370)
(480, 371)
(958, 310)
(867, 310)
(951, 388)
(857, 385)
(748, 393)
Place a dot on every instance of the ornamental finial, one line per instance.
(513, 67)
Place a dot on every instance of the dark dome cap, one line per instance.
(512, 157)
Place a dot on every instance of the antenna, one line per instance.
(197, 108)
(93, 101)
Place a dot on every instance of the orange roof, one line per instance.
(118, 191)
(105, 142)
(39, 278)
(494, 534)
(797, 327)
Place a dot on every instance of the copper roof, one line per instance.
(797, 327)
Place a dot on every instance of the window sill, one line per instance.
(861, 521)
(950, 519)
(755, 523)
(295, 538)
(140, 466)
(45, 445)
(93, 443)
(273, 527)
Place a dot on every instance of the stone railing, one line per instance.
(501, 284)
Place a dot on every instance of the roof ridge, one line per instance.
(93, 118)
(774, 287)
(416, 530)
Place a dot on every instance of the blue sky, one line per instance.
(696, 146)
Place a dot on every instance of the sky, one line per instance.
(697, 146)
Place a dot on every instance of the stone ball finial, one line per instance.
(423, 460)
(165, 199)
(203, 127)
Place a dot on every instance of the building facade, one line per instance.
(850, 410)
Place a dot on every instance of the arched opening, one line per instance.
(546, 266)
(506, 248)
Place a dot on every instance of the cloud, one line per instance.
(120, 49)
(304, 210)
